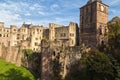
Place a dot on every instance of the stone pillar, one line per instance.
(16, 54)
(8, 57)
(11, 54)
(45, 61)
(18, 58)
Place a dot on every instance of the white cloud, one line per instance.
(41, 13)
(27, 14)
(55, 7)
(9, 17)
(44, 12)
(12, 12)
(36, 7)
(17, 12)
(57, 20)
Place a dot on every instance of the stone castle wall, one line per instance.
(11, 54)
(67, 56)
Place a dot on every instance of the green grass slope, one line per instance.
(9, 71)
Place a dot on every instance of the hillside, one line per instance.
(9, 71)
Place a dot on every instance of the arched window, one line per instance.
(100, 30)
(7, 35)
(54, 53)
(102, 42)
(105, 29)
(4, 35)
(0, 35)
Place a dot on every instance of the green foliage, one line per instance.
(9, 71)
(114, 34)
(98, 66)
(113, 46)
(92, 66)
(28, 51)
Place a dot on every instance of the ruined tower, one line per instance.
(93, 23)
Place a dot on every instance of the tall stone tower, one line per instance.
(93, 23)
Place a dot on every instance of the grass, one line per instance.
(9, 71)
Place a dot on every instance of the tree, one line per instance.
(14, 74)
(92, 66)
(113, 46)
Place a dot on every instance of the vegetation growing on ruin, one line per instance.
(28, 51)
(9, 71)
(103, 64)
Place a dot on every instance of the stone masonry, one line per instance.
(93, 23)
(29, 36)
(93, 32)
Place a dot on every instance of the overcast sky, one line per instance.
(43, 12)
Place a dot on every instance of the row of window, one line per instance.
(4, 35)
(38, 38)
(64, 35)
(23, 30)
(35, 49)
(37, 32)
(71, 34)
(5, 30)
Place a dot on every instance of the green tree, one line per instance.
(92, 66)
(13, 74)
(113, 46)
(28, 53)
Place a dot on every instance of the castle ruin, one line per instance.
(92, 33)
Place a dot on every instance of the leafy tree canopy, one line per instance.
(92, 66)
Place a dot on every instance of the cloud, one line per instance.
(10, 13)
(47, 11)
(55, 7)
(36, 7)
(41, 13)
(113, 8)
(9, 17)
(36, 12)
(17, 12)
(27, 14)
